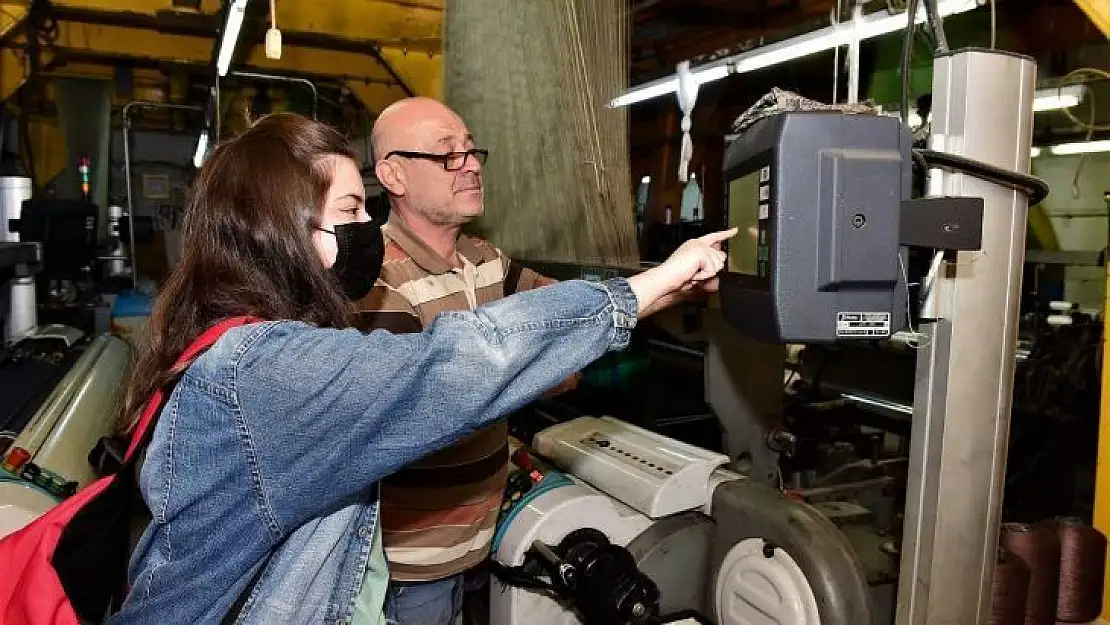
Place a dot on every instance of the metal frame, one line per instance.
(139, 104)
(217, 113)
(982, 109)
(278, 78)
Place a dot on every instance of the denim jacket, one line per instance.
(266, 456)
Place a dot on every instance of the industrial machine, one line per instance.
(645, 529)
(20, 263)
(59, 385)
(608, 523)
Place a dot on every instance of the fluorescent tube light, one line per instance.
(230, 35)
(1068, 149)
(1060, 98)
(646, 92)
(202, 150)
(1082, 147)
(868, 27)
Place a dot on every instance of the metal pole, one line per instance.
(218, 112)
(277, 78)
(130, 203)
(853, 56)
(982, 109)
(139, 104)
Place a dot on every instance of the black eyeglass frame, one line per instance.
(445, 157)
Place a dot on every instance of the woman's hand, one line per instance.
(692, 269)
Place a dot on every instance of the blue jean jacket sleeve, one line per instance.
(323, 414)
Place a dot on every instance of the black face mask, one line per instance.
(359, 259)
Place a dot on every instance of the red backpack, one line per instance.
(71, 563)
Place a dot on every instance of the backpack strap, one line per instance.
(154, 406)
(512, 278)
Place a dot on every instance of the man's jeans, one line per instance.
(426, 603)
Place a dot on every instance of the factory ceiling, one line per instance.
(365, 54)
(382, 50)
(670, 31)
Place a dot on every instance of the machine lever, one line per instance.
(566, 573)
(601, 580)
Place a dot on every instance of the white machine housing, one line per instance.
(635, 485)
(80, 410)
(656, 475)
(77, 413)
(548, 519)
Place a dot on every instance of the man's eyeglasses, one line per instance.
(451, 161)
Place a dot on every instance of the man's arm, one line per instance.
(519, 278)
(385, 308)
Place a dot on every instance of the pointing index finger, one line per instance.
(723, 235)
(714, 239)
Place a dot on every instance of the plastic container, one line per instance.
(131, 316)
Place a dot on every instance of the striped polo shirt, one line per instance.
(438, 514)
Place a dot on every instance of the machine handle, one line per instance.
(567, 575)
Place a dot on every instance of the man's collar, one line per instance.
(422, 254)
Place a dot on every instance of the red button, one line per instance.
(16, 459)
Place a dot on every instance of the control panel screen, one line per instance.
(744, 253)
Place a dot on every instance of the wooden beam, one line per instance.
(1099, 13)
(413, 24)
(12, 71)
(365, 76)
(383, 49)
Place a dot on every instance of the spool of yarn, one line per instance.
(1038, 547)
(1082, 554)
(1009, 590)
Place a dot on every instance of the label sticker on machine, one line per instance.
(860, 324)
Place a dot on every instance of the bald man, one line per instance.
(438, 515)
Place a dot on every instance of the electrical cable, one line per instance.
(836, 54)
(518, 576)
(1036, 188)
(919, 160)
(907, 57)
(994, 24)
(936, 23)
(1081, 76)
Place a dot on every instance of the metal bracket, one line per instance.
(25, 258)
(947, 223)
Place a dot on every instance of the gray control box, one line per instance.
(817, 197)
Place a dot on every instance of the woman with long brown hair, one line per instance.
(261, 472)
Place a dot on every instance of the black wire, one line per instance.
(937, 25)
(25, 153)
(518, 576)
(1036, 188)
(907, 57)
(919, 160)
